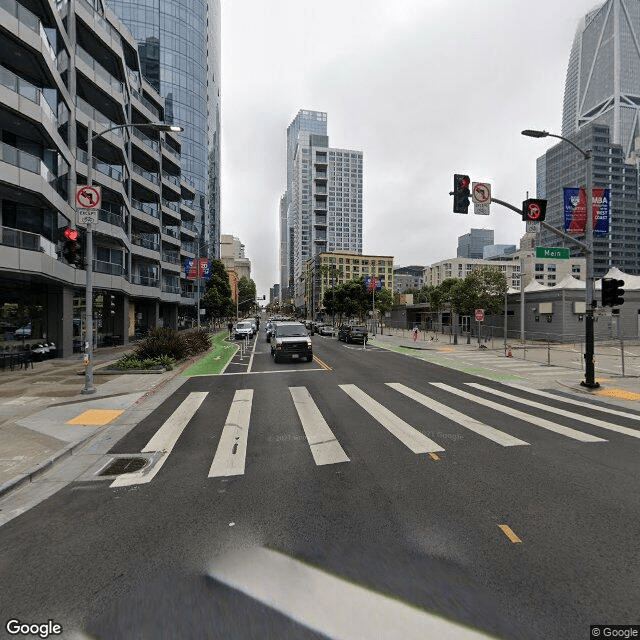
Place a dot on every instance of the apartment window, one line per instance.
(551, 268)
(539, 267)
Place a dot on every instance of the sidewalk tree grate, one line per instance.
(124, 465)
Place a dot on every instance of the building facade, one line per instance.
(178, 42)
(70, 69)
(323, 198)
(405, 278)
(601, 112)
(471, 244)
(331, 269)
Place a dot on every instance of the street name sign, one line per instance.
(558, 253)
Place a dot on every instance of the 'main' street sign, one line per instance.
(552, 252)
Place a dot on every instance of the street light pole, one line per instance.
(91, 137)
(589, 380)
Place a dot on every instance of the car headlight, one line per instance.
(308, 343)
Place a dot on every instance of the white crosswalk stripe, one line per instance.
(472, 424)
(561, 412)
(164, 439)
(578, 403)
(540, 422)
(412, 438)
(324, 446)
(229, 459)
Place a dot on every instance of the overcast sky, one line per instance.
(424, 88)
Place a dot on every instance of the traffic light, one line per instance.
(461, 193)
(534, 210)
(112, 305)
(612, 292)
(71, 248)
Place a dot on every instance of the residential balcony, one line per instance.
(98, 73)
(146, 281)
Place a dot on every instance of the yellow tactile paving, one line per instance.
(621, 394)
(96, 416)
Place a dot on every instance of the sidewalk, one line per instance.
(45, 417)
(565, 371)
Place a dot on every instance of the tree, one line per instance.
(217, 299)
(246, 294)
(483, 288)
(384, 302)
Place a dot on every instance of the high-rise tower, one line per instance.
(601, 113)
(179, 48)
(323, 198)
(603, 75)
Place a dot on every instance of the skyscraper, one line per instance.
(323, 197)
(601, 112)
(603, 75)
(179, 49)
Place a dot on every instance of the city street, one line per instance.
(364, 494)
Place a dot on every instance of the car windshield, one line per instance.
(244, 325)
(291, 331)
(358, 328)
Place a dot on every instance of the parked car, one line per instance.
(325, 329)
(353, 333)
(23, 332)
(243, 330)
(291, 340)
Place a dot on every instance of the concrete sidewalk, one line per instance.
(45, 417)
(526, 361)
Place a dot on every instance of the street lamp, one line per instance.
(589, 380)
(91, 136)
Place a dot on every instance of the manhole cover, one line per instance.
(124, 465)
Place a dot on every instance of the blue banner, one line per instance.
(575, 210)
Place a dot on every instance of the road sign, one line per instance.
(481, 192)
(88, 197)
(558, 253)
(479, 315)
(481, 209)
(86, 216)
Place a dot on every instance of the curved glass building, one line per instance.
(179, 49)
(603, 81)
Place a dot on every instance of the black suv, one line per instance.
(291, 340)
(353, 333)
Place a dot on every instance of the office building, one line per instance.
(178, 42)
(68, 69)
(471, 245)
(600, 112)
(323, 200)
(603, 75)
(328, 269)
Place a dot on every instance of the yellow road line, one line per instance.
(96, 417)
(506, 529)
(434, 456)
(324, 365)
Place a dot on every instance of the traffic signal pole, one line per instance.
(587, 249)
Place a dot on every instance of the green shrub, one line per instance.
(164, 341)
(128, 361)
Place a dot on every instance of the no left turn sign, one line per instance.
(481, 193)
(88, 197)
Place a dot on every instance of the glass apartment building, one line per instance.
(179, 47)
(68, 70)
(324, 193)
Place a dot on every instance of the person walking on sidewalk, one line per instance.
(230, 326)
(415, 333)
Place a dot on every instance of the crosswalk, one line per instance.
(537, 410)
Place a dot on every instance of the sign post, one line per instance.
(479, 318)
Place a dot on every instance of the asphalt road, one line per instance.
(311, 500)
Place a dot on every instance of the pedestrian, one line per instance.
(415, 333)
(230, 325)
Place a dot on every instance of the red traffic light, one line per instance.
(71, 234)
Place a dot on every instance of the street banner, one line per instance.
(200, 268)
(374, 282)
(575, 210)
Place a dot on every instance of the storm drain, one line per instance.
(124, 465)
